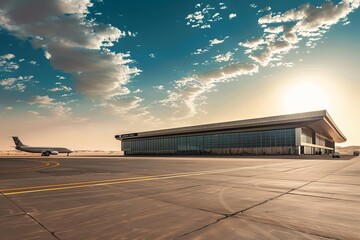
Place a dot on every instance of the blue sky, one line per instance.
(98, 68)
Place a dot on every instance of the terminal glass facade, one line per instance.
(266, 142)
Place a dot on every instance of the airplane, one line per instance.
(45, 151)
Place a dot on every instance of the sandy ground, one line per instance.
(347, 150)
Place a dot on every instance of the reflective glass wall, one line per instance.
(281, 141)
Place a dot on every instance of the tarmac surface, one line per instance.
(179, 198)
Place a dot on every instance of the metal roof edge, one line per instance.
(272, 120)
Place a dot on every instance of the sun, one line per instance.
(305, 96)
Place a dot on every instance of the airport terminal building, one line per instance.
(293, 134)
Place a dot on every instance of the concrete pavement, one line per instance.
(179, 198)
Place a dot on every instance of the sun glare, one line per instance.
(305, 96)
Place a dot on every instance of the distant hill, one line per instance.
(349, 150)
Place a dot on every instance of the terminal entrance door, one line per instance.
(302, 150)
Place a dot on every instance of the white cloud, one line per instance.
(7, 56)
(68, 95)
(73, 43)
(41, 100)
(47, 55)
(57, 109)
(216, 41)
(275, 30)
(61, 88)
(223, 57)
(188, 93)
(152, 55)
(200, 51)
(253, 5)
(8, 108)
(60, 110)
(253, 43)
(265, 9)
(222, 6)
(203, 18)
(138, 91)
(305, 22)
(33, 62)
(160, 87)
(232, 15)
(15, 83)
(6, 65)
(212, 42)
(60, 77)
(132, 34)
(310, 18)
(122, 105)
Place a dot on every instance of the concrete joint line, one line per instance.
(259, 204)
(28, 214)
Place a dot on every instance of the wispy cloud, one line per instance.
(200, 51)
(283, 31)
(212, 42)
(6, 64)
(33, 113)
(138, 91)
(41, 100)
(132, 34)
(223, 57)
(216, 41)
(188, 92)
(57, 109)
(204, 16)
(232, 15)
(222, 6)
(60, 88)
(122, 105)
(253, 5)
(7, 56)
(15, 83)
(72, 42)
(159, 87)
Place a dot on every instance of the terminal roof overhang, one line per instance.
(319, 121)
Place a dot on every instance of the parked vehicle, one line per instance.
(336, 155)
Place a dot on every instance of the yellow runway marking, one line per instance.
(56, 187)
(44, 165)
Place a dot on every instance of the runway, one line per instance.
(179, 198)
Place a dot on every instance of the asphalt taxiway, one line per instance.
(179, 198)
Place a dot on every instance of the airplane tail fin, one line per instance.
(17, 142)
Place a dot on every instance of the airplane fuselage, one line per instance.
(43, 149)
